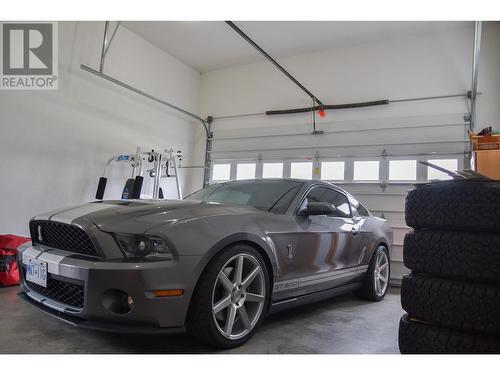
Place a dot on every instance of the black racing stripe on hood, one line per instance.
(124, 203)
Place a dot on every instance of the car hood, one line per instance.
(143, 214)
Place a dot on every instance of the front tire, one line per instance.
(231, 298)
(376, 281)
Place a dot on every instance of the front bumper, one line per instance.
(137, 280)
(100, 326)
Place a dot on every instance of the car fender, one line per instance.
(263, 243)
(366, 256)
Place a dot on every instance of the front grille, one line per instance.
(62, 236)
(60, 291)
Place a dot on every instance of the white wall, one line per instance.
(395, 68)
(54, 144)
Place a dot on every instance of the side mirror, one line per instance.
(319, 208)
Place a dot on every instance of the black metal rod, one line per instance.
(327, 106)
(342, 106)
(275, 63)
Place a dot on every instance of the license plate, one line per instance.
(36, 272)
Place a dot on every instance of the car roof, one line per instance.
(306, 183)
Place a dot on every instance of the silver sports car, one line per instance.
(214, 263)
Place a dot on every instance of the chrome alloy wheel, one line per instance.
(238, 296)
(381, 273)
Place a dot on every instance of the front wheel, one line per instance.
(376, 281)
(231, 298)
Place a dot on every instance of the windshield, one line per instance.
(274, 196)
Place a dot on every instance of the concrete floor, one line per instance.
(339, 325)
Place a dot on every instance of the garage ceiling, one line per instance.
(213, 45)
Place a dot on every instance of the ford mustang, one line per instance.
(214, 263)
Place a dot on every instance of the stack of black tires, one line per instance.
(452, 295)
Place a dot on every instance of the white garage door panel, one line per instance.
(301, 123)
(366, 138)
(413, 135)
(398, 235)
(361, 189)
(395, 219)
(397, 271)
(280, 151)
(397, 253)
(381, 203)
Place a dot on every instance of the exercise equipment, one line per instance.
(157, 165)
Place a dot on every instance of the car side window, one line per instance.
(284, 202)
(322, 194)
(362, 211)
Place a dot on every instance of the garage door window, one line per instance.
(245, 171)
(434, 174)
(366, 170)
(403, 170)
(301, 170)
(272, 170)
(221, 172)
(332, 170)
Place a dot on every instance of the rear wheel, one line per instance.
(376, 281)
(231, 298)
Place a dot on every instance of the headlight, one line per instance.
(143, 247)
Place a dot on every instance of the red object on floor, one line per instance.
(9, 274)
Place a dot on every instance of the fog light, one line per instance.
(117, 301)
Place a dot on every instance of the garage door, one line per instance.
(375, 160)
